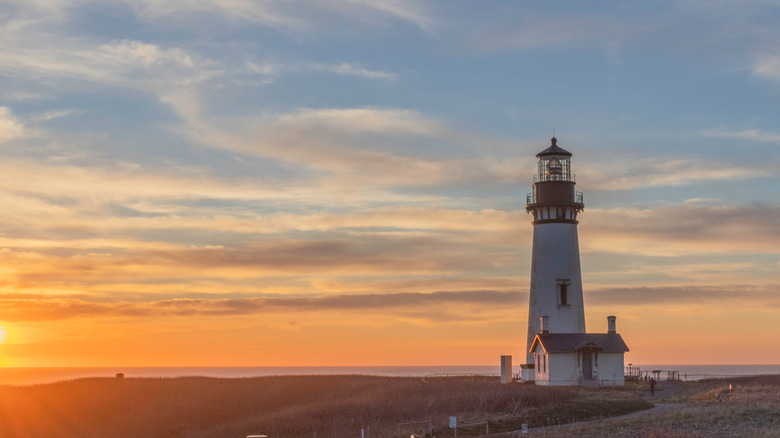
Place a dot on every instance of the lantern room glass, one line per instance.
(554, 168)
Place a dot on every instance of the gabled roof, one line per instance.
(554, 149)
(571, 342)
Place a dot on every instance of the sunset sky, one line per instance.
(237, 182)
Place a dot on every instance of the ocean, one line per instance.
(31, 376)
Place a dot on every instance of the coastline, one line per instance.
(293, 406)
(344, 405)
(40, 375)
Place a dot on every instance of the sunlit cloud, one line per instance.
(333, 254)
(684, 296)
(682, 229)
(46, 308)
(665, 172)
(125, 63)
(357, 146)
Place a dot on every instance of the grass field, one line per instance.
(752, 410)
(292, 406)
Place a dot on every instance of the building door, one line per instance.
(587, 364)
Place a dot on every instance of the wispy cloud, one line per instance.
(51, 115)
(34, 307)
(747, 134)
(125, 63)
(10, 127)
(89, 257)
(662, 296)
(623, 174)
(372, 147)
(767, 66)
(683, 229)
(408, 10)
(294, 16)
(354, 69)
(272, 71)
(48, 308)
(270, 13)
(536, 30)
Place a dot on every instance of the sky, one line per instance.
(343, 182)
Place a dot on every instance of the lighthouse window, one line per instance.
(563, 291)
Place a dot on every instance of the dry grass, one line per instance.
(752, 410)
(290, 406)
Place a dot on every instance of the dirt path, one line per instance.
(659, 408)
(663, 391)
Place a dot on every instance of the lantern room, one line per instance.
(554, 164)
(553, 195)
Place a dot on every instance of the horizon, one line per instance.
(384, 366)
(42, 375)
(296, 182)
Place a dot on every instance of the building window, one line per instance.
(544, 364)
(562, 284)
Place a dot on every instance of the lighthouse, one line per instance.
(558, 349)
(556, 279)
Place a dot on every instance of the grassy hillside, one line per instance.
(752, 410)
(290, 406)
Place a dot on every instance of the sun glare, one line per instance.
(2, 334)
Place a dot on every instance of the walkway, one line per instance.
(664, 391)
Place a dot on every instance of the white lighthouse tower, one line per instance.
(558, 351)
(556, 280)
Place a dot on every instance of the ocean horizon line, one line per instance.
(353, 366)
(42, 375)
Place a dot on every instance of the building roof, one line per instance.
(554, 149)
(571, 342)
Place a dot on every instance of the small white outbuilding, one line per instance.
(586, 359)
